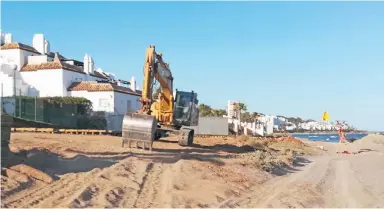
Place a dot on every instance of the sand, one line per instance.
(94, 171)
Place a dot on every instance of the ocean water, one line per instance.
(328, 137)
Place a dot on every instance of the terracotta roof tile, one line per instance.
(94, 86)
(48, 65)
(52, 65)
(42, 66)
(16, 45)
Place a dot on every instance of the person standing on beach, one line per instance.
(341, 134)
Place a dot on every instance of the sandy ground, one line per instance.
(329, 180)
(95, 171)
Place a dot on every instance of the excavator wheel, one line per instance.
(186, 137)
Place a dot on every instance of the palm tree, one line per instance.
(205, 110)
(240, 107)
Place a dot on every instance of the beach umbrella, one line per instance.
(325, 116)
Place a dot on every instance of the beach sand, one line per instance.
(94, 171)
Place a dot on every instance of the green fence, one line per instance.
(61, 112)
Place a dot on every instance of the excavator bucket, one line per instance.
(138, 128)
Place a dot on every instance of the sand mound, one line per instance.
(371, 140)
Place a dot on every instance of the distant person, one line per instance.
(341, 136)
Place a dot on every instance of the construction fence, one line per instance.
(43, 113)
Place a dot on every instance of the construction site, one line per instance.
(78, 170)
(165, 155)
(75, 136)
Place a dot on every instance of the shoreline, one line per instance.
(325, 133)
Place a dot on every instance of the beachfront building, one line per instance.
(34, 70)
(321, 126)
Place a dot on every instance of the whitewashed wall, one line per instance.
(24, 57)
(123, 101)
(6, 85)
(101, 101)
(47, 82)
(18, 56)
(115, 104)
(13, 55)
(9, 77)
(69, 77)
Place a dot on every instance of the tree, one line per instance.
(255, 115)
(240, 107)
(218, 113)
(205, 110)
(246, 117)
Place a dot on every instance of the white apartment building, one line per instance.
(43, 73)
(231, 113)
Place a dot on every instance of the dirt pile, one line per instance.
(371, 140)
(274, 155)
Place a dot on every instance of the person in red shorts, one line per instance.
(341, 135)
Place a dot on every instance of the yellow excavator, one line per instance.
(170, 113)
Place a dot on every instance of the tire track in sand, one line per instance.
(150, 187)
(295, 190)
(347, 191)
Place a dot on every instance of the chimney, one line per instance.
(56, 58)
(86, 64)
(46, 47)
(38, 43)
(91, 65)
(133, 84)
(8, 38)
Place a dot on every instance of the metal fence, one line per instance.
(36, 111)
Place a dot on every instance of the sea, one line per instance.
(328, 137)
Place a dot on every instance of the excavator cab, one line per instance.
(186, 112)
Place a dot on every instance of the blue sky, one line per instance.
(287, 58)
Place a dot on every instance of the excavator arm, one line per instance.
(156, 68)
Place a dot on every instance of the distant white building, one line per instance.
(231, 113)
(321, 126)
(40, 72)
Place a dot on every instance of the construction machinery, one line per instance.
(169, 113)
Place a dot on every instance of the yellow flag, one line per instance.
(325, 116)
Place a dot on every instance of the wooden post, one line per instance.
(35, 109)
(20, 103)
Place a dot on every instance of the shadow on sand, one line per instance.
(297, 163)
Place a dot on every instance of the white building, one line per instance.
(231, 113)
(40, 72)
(321, 126)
